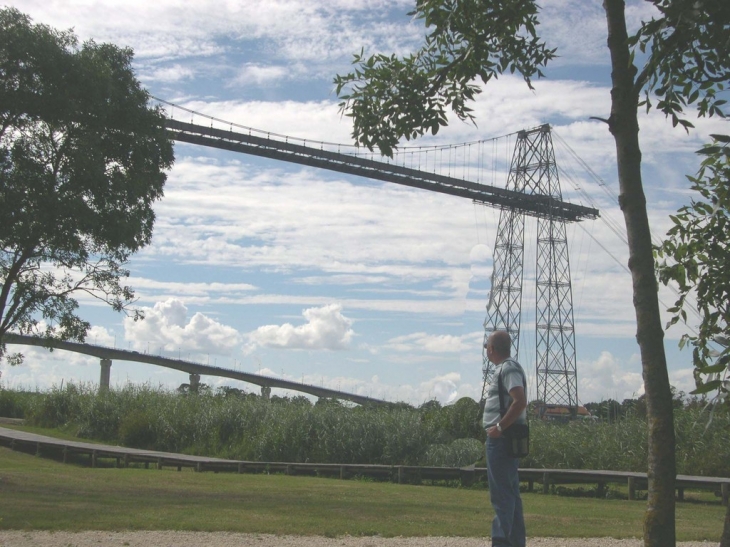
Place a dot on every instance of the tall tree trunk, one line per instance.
(659, 524)
(725, 539)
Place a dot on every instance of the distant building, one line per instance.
(563, 413)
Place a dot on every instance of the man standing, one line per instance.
(508, 526)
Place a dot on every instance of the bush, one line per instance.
(136, 431)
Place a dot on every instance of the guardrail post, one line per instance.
(632, 488)
(240, 468)
(467, 477)
(159, 463)
(37, 449)
(65, 454)
(725, 492)
(93, 458)
(680, 494)
(546, 483)
(400, 474)
(126, 461)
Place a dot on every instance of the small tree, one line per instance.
(698, 246)
(82, 159)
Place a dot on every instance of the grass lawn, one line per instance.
(42, 494)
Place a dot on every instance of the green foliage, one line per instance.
(696, 256)
(689, 59)
(459, 453)
(252, 428)
(390, 97)
(13, 404)
(618, 445)
(82, 160)
(136, 430)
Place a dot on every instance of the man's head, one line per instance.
(498, 346)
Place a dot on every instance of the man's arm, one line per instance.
(519, 403)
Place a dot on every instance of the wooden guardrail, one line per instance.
(123, 456)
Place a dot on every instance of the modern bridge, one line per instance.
(195, 370)
(536, 205)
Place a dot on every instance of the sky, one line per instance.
(349, 283)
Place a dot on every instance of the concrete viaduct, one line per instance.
(195, 370)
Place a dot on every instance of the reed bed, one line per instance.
(244, 426)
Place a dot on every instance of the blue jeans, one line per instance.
(508, 526)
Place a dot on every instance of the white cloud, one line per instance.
(421, 341)
(170, 74)
(325, 328)
(166, 326)
(256, 74)
(442, 388)
(445, 388)
(316, 30)
(683, 379)
(152, 291)
(608, 378)
(100, 336)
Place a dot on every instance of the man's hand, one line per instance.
(493, 432)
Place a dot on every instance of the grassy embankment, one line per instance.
(33, 490)
(42, 494)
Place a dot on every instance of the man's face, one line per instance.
(490, 349)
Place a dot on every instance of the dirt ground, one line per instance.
(223, 539)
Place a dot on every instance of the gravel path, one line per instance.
(223, 539)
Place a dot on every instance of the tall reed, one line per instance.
(247, 427)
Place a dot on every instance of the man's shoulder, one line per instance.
(510, 367)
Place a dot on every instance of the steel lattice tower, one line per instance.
(534, 171)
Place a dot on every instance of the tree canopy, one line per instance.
(688, 46)
(390, 98)
(82, 160)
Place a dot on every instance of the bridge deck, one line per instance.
(41, 444)
(103, 352)
(530, 204)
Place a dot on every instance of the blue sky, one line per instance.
(355, 284)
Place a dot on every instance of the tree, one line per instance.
(696, 256)
(686, 63)
(82, 159)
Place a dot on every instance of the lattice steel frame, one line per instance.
(534, 171)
